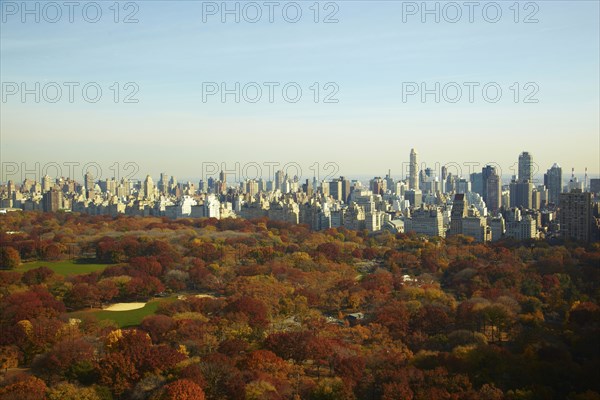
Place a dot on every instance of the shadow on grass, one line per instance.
(89, 260)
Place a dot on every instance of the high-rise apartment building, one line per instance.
(148, 187)
(346, 189)
(463, 186)
(335, 189)
(251, 187)
(163, 183)
(595, 185)
(475, 226)
(428, 222)
(575, 215)
(492, 189)
(553, 181)
(525, 167)
(378, 185)
(279, 178)
(459, 211)
(413, 176)
(51, 200)
(88, 182)
(477, 183)
(521, 194)
(415, 197)
(485, 174)
(46, 183)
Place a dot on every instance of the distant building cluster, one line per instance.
(479, 206)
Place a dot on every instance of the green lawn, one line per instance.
(126, 318)
(64, 267)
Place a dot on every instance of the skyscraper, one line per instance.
(575, 215)
(279, 178)
(485, 173)
(521, 194)
(414, 196)
(162, 183)
(88, 181)
(172, 185)
(444, 177)
(389, 181)
(521, 189)
(525, 167)
(553, 181)
(444, 172)
(458, 213)
(51, 200)
(46, 183)
(335, 189)
(377, 185)
(251, 187)
(148, 187)
(346, 189)
(413, 177)
(595, 185)
(477, 182)
(492, 189)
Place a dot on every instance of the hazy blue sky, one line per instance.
(368, 54)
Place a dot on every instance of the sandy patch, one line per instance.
(201, 296)
(125, 306)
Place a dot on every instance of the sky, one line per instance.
(368, 71)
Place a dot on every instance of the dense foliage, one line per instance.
(266, 310)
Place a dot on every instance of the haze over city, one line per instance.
(370, 51)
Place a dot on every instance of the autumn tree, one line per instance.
(143, 287)
(9, 357)
(394, 316)
(70, 358)
(223, 379)
(117, 372)
(290, 345)
(25, 388)
(83, 295)
(37, 276)
(158, 326)
(9, 258)
(254, 309)
(68, 391)
(36, 301)
(182, 389)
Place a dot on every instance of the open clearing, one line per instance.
(63, 267)
(202, 296)
(125, 318)
(124, 306)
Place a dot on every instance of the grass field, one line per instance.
(63, 267)
(125, 318)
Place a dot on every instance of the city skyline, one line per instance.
(370, 54)
(239, 171)
(479, 205)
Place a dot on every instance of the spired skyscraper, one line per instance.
(413, 173)
(553, 181)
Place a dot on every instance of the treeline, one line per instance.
(287, 313)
